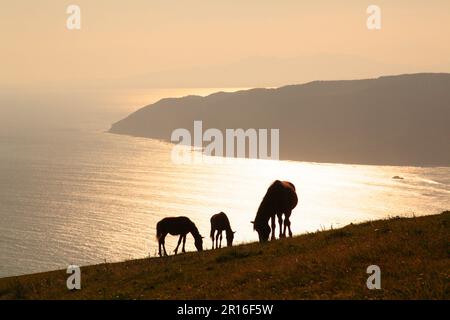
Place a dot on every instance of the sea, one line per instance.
(73, 194)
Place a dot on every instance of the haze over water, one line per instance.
(72, 194)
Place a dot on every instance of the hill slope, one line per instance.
(395, 120)
(412, 254)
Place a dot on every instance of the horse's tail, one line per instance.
(211, 234)
(158, 232)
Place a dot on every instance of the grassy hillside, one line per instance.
(413, 254)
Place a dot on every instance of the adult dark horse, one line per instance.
(177, 226)
(220, 223)
(280, 199)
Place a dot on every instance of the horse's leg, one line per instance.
(161, 244)
(217, 239)
(221, 233)
(212, 238)
(272, 218)
(280, 222)
(164, 244)
(287, 222)
(184, 244)
(179, 241)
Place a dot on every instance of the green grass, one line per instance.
(413, 254)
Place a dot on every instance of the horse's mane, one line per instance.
(195, 231)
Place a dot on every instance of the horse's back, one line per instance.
(288, 184)
(221, 216)
(284, 193)
(180, 219)
(219, 221)
(174, 224)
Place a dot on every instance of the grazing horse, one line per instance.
(177, 226)
(280, 198)
(220, 223)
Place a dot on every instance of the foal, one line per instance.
(177, 226)
(220, 223)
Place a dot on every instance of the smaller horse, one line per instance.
(220, 223)
(177, 226)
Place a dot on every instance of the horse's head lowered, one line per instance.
(263, 230)
(230, 237)
(199, 243)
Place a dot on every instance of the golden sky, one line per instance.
(136, 39)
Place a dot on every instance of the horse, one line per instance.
(280, 199)
(177, 226)
(220, 223)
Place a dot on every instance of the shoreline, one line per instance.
(290, 159)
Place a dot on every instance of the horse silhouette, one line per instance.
(220, 223)
(280, 198)
(177, 226)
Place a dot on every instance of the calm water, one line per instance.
(73, 197)
(81, 196)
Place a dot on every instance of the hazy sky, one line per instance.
(195, 42)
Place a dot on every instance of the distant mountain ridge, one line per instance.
(391, 120)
